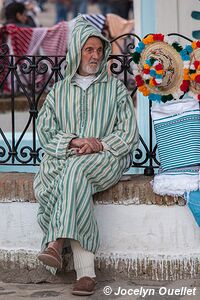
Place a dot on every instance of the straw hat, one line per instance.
(194, 70)
(159, 71)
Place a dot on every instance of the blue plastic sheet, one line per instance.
(193, 202)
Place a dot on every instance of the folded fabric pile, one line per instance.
(169, 75)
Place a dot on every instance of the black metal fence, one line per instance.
(33, 77)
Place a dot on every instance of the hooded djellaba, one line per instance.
(66, 182)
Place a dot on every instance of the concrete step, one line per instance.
(143, 236)
(132, 189)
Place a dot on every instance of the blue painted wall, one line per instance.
(148, 25)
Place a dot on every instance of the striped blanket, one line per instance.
(46, 41)
(177, 128)
(30, 41)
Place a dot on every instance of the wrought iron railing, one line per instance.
(33, 77)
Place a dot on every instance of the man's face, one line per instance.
(91, 56)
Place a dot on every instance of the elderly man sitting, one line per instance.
(87, 128)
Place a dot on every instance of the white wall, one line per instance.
(167, 16)
(126, 230)
(175, 16)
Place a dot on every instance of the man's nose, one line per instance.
(95, 55)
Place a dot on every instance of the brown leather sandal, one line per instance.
(84, 286)
(51, 257)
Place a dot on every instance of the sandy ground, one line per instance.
(119, 290)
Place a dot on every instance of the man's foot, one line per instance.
(84, 286)
(51, 257)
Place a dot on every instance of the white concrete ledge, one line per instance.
(155, 242)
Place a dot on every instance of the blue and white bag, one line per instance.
(177, 128)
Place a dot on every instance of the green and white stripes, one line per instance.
(66, 182)
(178, 139)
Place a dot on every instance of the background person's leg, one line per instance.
(61, 12)
(83, 6)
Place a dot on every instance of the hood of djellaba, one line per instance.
(81, 32)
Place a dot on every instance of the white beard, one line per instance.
(91, 69)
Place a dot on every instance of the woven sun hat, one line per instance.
(194, 69)
(160, 68)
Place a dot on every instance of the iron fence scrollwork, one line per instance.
(33, 77)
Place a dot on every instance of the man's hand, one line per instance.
(86, 145)
(86, 149)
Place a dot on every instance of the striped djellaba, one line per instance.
(66, 182)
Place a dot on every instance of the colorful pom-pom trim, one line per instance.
(194, 70)
(153, 70)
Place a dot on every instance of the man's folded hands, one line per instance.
(86, 145)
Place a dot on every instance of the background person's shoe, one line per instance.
(84, 286)
(51, 257)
